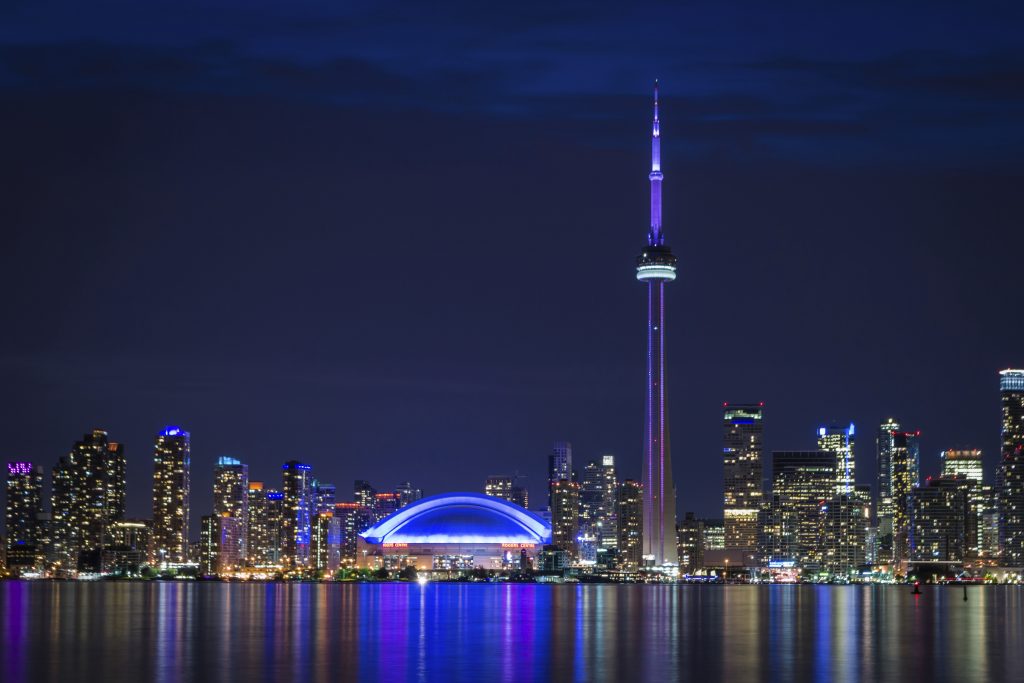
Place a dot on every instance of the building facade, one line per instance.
(565, 516)
(906, 476)
(297, 519)
(172, 484)
(742, 455)
(839, 441)
(1010, 474)
(24, 528)
(801, 482)
(631, 524)
(231, 499)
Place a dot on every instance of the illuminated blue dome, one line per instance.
(460, 518)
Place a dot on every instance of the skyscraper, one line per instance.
(559, 464)
(597, 501)
(802, 481)
(296, 524)
(906, 476)
(262, 544)
(656, 266)
(631, 524)
(231, 499)
(884, 503)
(565, 516)
(88, 495)
(172, 482)
(23, 524)
(508, 488)
(941, 526)
(742, 452)
(1010, 475)
(839, 441)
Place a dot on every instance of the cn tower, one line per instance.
(656, 266)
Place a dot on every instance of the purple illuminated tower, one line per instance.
(656, 266)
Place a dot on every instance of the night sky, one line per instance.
(399, 244)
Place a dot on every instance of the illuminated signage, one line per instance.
(396, 545)
(526, 546)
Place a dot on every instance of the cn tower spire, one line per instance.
(655, 237)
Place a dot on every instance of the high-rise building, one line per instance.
(25, 534)
(127, 549)
(742, 453)
(1010, 474)
(803, 481)
(296, 524)
(352, 518)
(324, 497)
(325, 554)
(777, 533)
(691, 544)
(597, 502)
(940, 522)
(839, 441)
(88, 496)
(172, 483)
(507, 488)
(231, 499)
(631, 524)
(565, 516)
(407, 494)
(559, 464)
(262, 537)
(906, 476)
(846, 518)
(656, 266)
(966, 464)
(884, 503)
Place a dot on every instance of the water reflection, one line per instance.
(169, 632)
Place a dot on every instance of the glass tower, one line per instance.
(1010, 475)
(742, 453)
(172, 482)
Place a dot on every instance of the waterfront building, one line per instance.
(597, 502)
(691, 544)
(325, 554)
(839, 441)
(565, 516)
(742, 455)
(967, 464)
(656, 266)
(941, 524)
(25, 532)
(172, 481)
(453, 532)
(631, 524)
(296, 521)
(88, 495)
(906, 468)
(846, 518)
(884, 445)
(352, 518)
(1010, 474)
(777, 534)
(231, 498)
(127, 550)
(802, 481)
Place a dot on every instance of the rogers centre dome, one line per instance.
(455, 531)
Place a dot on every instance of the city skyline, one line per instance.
(138, 304)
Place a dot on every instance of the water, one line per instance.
(171, 632)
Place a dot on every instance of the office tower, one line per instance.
(218, 545)
(324, 497)
(275, 527)
(385, 504)
(407, 493)
(24, 507)
(597, 501)
(845, 521)
(839, 441)
(351, 519)
(656, 266)
(207, 545)
(777, 533)
(1010, 474)
(231, 499)
(742, 452)
(296, 523)
(884, 501)
(906, 476)
(172, 481)
(802, 480)
(966, 464)
(88, 495)
(565, 516)
(325, 555)
(691, 544)
(631, 524)
(507, 488)
(940, 522)
(559, 464)
(365, 496)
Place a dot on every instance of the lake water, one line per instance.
(171, 632)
